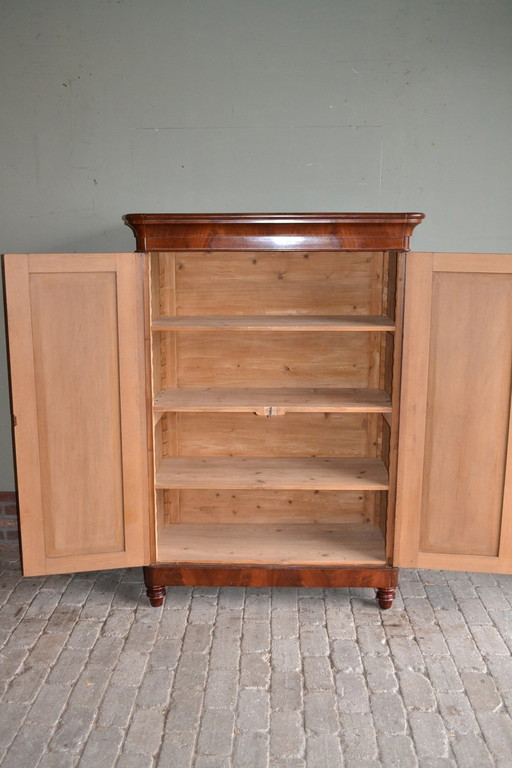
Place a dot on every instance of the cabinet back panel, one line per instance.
(315, 434)
(468, 393)
(271, 283)
(74, 321)
(223, 359)
(271, 506)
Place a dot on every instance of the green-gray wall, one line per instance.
(116, 106)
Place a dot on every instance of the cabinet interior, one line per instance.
(272, 379)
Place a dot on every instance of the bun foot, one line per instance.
(385, 597)
(156, 595)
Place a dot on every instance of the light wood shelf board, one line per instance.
(272, 544)
(275, 323)
(293, 400)
(280, 473)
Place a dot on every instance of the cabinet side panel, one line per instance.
(468, 395)
(77, 390)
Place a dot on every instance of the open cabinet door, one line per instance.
(76, 342)
(454, 506)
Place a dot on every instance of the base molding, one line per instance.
(160, 575)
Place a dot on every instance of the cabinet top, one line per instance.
(273, 231)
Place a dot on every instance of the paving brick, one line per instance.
(145, 732)
(380, 673)
(493, 598)
(27, 633)
(419, 611)
(345, 655)
(431, 641)
(49, 704)
(286, 735)
(318, 675)
(221, 689)
(231, 598)
(284, 598)
(388, 713)
(253, 710)
(127, 760)
(155, 689)
(320, 712)
(489, 641)
(352, 692)
(406, 653)
(441, 597)
(197, 638)
(286, 691)
(25, 686)
(216, 732)
(251, 750)
(173, 623)
(429, 734)
(256, 637)
(177, 751)
(444, 675)
(184, 711)
(416, 689)
(106, 651)
(72, 730)
(340, 623)
(191, 672)
(285, 624)
(313, 640)
(129, 668)
(311, 610)
(255, 670)
(102, 748)
(372, 640)
(203, 610)
(397, 751)
(13, 715)
(84, 634)
(27, 751)
(481, 691)
(457, 713)
(58, 760)
(359, 741)
(90, 686)
(47, 649)
(323, 751)
(43, 605)
(141, 637)
(471, 752)
(165, 653)
(68, 666)
(497, 732)
(474, 611)
(465, 653)
(117, 706)
(257, 606)
(285, 654)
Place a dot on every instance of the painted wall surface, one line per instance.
(116, 106)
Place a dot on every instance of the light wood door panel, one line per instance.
(77, 372)
(454, 475)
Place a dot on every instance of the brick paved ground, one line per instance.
(91, 676)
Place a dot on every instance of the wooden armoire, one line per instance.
(263, 400)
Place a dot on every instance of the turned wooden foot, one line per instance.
(385, 597)
(156, 595)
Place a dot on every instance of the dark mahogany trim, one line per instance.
(381, 577)
(273, 231)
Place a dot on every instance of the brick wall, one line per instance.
(8, 520)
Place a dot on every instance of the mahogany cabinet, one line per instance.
(227, 406)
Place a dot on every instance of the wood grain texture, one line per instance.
(279, 323)
(250, 575)
(280, 232)
(78, 396)
(283, 400)
(454, 465)
(270, 543)
(263, 472)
